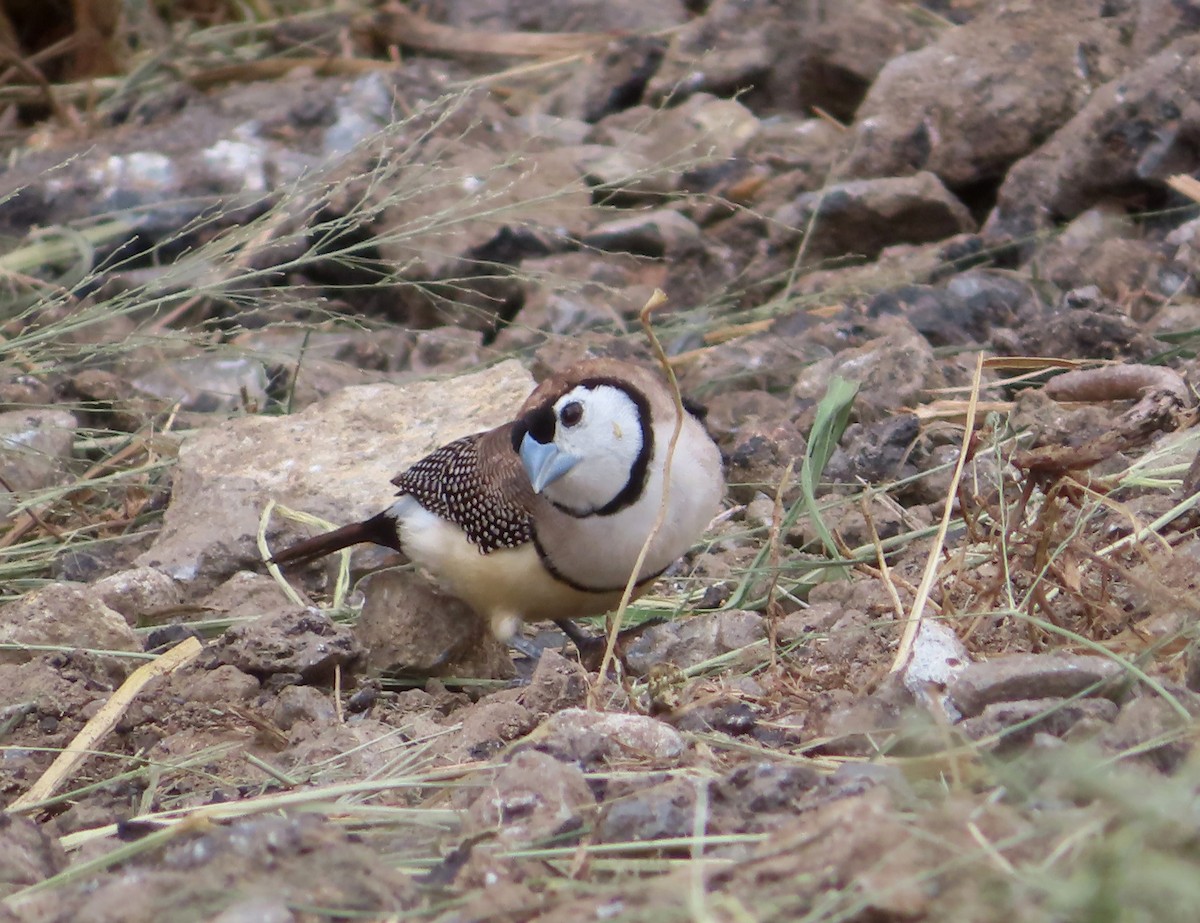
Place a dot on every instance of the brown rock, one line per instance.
(533, 797)
(138, 594)
(594, 738)
(408, 626)
(1133, 133)
(1016, 723)
(1032, 676)
(557, 683)
(984, 94)
(35, 446)
(68, 615)
(861, 217)
(305, 643)
(686, 642)
(28, 855)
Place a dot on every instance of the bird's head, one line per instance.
(586, 442)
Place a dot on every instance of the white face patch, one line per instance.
(606, 437)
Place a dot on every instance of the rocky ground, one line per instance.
(267, 265)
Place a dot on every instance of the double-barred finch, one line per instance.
(544, 517)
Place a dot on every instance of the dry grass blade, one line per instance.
(1185, 185)
(656, 299)
(104, 721)
(396, 24)
(917, 612)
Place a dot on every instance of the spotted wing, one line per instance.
(478, 484)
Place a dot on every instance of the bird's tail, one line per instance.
(380, 529)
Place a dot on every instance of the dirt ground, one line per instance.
(931, 274)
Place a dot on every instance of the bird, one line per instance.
(544, 517)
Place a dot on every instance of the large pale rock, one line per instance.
(66, 614)
(335, 459)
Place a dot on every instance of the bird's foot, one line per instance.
(591, 648)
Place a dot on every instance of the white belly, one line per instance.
(506, 586)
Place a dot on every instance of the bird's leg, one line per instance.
(591, 648)
(524, 646)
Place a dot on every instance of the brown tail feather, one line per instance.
(380, 529)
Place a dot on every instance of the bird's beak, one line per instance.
(544, 463)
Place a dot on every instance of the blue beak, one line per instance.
(544, 463)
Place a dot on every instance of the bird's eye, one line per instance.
(571, 414)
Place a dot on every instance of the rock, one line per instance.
(876, 452)
(302, 703)
(609, 80)
(1149, 729)
(28, 855)
(334, 460)
(768, 362)
(752, 790)
(1160, 22)
(654, 813)
(494, 213)
(622, 178)
(35, 446)
(936, 657)
(687, 642)
(577, 292)
(1018, 677)
(138, 594)
(703, 132)
(656, 233)
(207, 384)
(18, 390)
(443, 350)
(712, 709)
(730, 412)
(259, 909)
(304, 643)
(1102, 247)
(861, 217)
(966, 309)
(69, 615)
(363, 748)
(568, 16)
(246, 596)
(594, 739)
(488, 727)
(894, 372)
(107, 401)
(534, 797)
(310, 365)
(984, 94)
(789, 59)
(1133, 133)
(299, 861)
(557, 684)
(407, 626)
(220, 685)
(1083, 325)
(1016, 723)
(856, 724)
